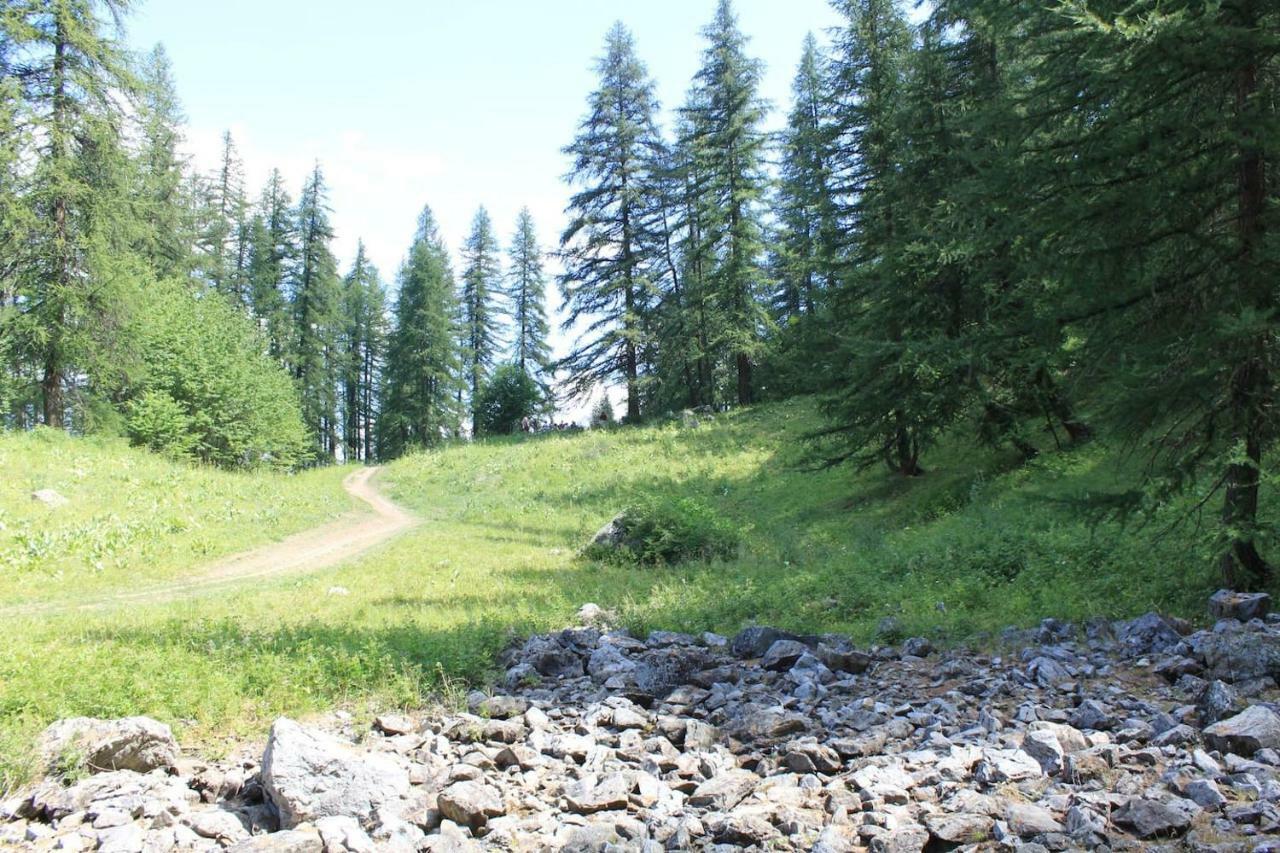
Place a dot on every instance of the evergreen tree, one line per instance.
(726, 116)
(481, 285)
(161, 197)
(364, 345)
(70, 271)
(608, 244)
(226, 227)
(316, 310)
(423, 366)
(526, 293)
(272, 250)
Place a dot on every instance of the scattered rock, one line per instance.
(49, 498)
(140, 744)
(310, 775)
(1226, 604)
(1151, 818)
(470, 803)
(1244, 734)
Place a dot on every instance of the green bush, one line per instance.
(507, 398)
(158, 422)
(670, 531)
(208, 391)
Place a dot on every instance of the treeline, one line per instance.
(139, 295)
(991, 221)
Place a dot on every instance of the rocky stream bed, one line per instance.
(1141, 734)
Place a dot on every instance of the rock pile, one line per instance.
(1134, 735)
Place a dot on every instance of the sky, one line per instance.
(449, 104)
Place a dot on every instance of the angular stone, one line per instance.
(1244, 734)
(1217, 701)
(1148, 634)
(289, 841)
(959, 828)
(140, 744)
(725, 790)
(754, 641)
(592, 795)
(1151, 818)
(1238, 656)
(470, 803)
(1027, 820)
(783, 655)
(1044, 748)
(1226, 604)
(309, 775)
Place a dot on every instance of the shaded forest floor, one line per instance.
(977, 544)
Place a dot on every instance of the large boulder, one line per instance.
(1148, 634)
(1256, 728)
(755, 641)
(140, 744)
(1242, 655)
(310, 775)
(470, 803)
(1228, 604)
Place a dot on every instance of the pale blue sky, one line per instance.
(412, 102)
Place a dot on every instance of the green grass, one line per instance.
(975, 545)
(135, 518)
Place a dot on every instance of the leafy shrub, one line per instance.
(158, 422)
(670, 531)
(208, 390)
(509, 397)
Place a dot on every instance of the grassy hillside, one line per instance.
(133, 517)
(975, 545)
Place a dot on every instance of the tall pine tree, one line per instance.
(526, 294)
(481, 287)
(607, 246)
(316, 310)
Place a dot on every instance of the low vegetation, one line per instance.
(982, 542)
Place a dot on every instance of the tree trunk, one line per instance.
(744, 379)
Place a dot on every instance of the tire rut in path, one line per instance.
(308, 551)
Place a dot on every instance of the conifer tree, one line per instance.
(526, 294)
(607, 247)
(481, 286)
(162, 203)
(272, 250)
(226, 227)
(66, 285)
(726, 116)
(364, 345)
(423, 367)
(316, 310)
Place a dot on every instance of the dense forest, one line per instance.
(1030, 224)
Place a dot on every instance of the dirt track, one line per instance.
(308, 551)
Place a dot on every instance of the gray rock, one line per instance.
(754, 641)
(121, 839)
(725, 790)
(1204, 793)
(1151, 818)
(1237, 656)
(49, 498)
(1043, 746)
(1027, 820)
(140, 744)
(310, 775)
(959, 828)
(1244, 734)
(917, 647)
(470, 803)
(1226, 604)
(1217, 701)
(783, 655)
(290, 841)
(764, 724)
(906, 839)
(344, 833)
(592, 795)
(1091, 714)
(219, 825)
(1148, 634)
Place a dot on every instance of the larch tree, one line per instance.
(316, 302)
(423, 364)
(160, 195)
(66, 282)
(226, 225)
(481, 287)
(273, 232)
(607, 247)
(364, 338)
(526, 296)
(726, 116)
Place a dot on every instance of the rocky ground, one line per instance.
(1140, 734)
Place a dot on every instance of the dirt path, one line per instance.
(308, 551)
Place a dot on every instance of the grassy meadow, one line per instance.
(977, 544)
